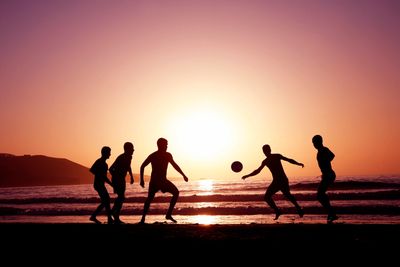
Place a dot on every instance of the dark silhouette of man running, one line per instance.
(118, 170)
(324, 158)
(159, 162)
(99, 169)
(280, 181)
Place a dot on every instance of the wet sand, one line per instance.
(159, 242)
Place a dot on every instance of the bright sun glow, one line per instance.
(204, 135)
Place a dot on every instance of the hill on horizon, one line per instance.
(34, 170)
(39, 170)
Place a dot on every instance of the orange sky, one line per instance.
(218, 79)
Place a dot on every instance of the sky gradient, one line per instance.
(218, 79)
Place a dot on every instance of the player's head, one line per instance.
(105, 152)
(162, 144)
(266, 150)
(128, 148)
(317, 141)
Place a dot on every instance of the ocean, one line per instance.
(358, 200)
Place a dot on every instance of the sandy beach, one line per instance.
(253, 242)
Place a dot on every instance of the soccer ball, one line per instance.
(236, 166)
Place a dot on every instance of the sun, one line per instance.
(202, 134)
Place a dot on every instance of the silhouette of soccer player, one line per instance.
(158, 181)
(279, 182)
(99, 169)
(324, 158)
(118, 170)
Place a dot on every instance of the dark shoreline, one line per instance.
(373, 241)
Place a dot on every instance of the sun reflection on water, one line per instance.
(204, 219)
(206, 187)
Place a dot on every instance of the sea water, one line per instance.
(365, 200)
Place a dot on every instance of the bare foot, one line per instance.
(277, 214)
(301, 213)
(169, 217)
(94, 219)
(332, 218)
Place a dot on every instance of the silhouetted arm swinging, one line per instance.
(144, 164)
(293, 161)
(178, 169)
(255, 172)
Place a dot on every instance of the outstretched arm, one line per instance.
(178, 169)
(255, 172)
(144, 164)
(293, 161)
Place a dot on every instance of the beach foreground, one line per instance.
(248, 241)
